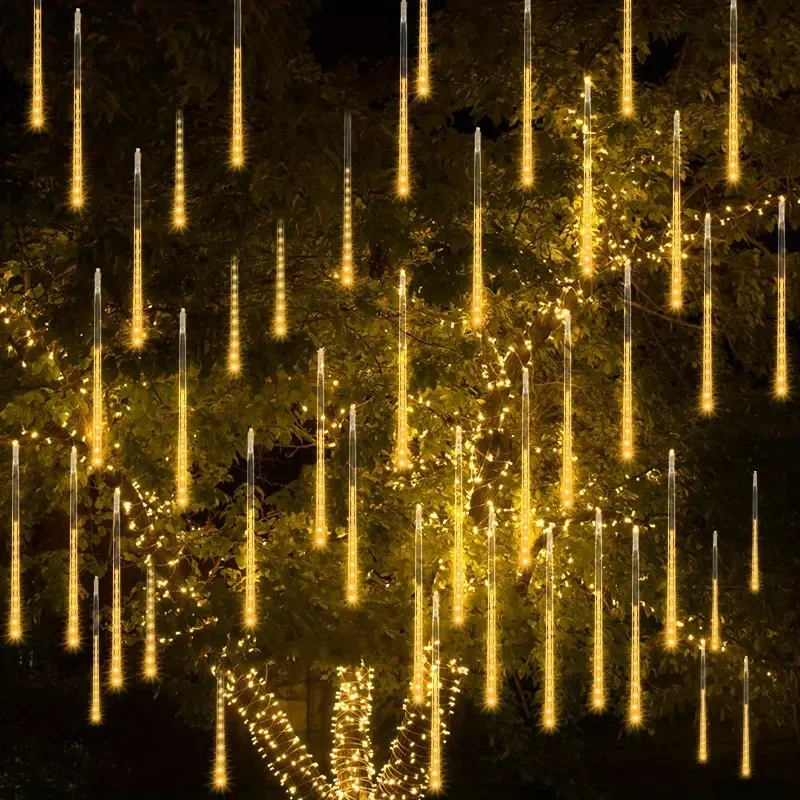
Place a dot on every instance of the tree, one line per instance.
(143, 60)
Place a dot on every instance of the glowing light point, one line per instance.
(352, 514)
(15, 604)
(755, 578)
(549, 710)
(676, 283)
(97, 375)
(320, 518)
(635, 697)
(477, 238)
(733, 98)
(251, 575)
(435, 773)
(566, 445)
(781, 377)
(702, 744)
(423, 66)
(403, 180)
(137, 318)
(116, 597)
(150, 667)
(37, 88)
(491, 615)
(73, 616)
(627, 59)
(587, 221)
(95, 710)
(627, 372)
(525, 488)
(715, 638)
(179, 191)
(234, 344)
(279, 326)
(220, 776)
(76, 191)
(598, 662)
(418, 682)
(527, 100)
(347, 210)
(459, 578)
(707, 390)
(671, 628)
(237, 126)
(745, 769)
(402, 457)
(182, 466)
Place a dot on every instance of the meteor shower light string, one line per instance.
(435, 775)
(755, 579)
(402, 377)
(251, 578)
(566, 452)
(733, 99)
(627, 59)
(179, 198)
(707, 394)
(347, 212)
(116, 598)
(352, 514)
(458, 533)
(137, 320)
(587, 256)
(702, 745)
(714, 595)
(477, 237)
(746, 720)
(527, 100)
(77, 122)
(237, 128)
(598, 662)
(73, 615)
(672, 567)
(37, 89)
(220, 751)
(525, 500)
(182, 469)
(279, 326)
(97, 375)
(320, 521)
(95, 711)
(402, 132)
(150, 663)
(423, 74)
(234, 353)
(781, 379)
(635, 700)
(418, 687)
(15, 606)
(491, 615)
(549, 711)
(627, 383)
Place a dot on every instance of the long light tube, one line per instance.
(627, 59)
(627, 371)
(527, 99)
(707, 391)
(116, 596)
(458, 533)
(676, 283)
(549, 710)
(347, 205)
(97, 374)
(73, 614)
(251, 576)
(745, 770)
(587, 222)
(715, 636)
(477, 237)
(150, 667)
(320, 519)
(702, 744)
(671, 628)
(95, 709)
(220, 776)
(635, 697)
(76, 190)
(781, 378)
(234, 343)
(525, 488)
(137, 318)
(37, 88)
(352, 513)
(179, 190)
(491, 615)
(598, 662)
(418, 685)
(182, 467)
(423, 66)
(755, 577)
(237, 126)
(733, 98)
(566, 446)
(403, 179)
(15, 605)
(402, 456)
(435, 774)
(280, 327)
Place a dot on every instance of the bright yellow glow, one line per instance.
(676, 283)
(137, 318)
(549, 710)
(237, 127)
(182, 460)
(527, 100)
(179, 192)
(435, 775)
(755, 578)
(745, 770)
(37, 88)
(352, 514)
(671, 627)
(251, 576)
(423, 67)
(116, 597)
(707, 391)
(234, 344)
(351, 756)
(715, 596)
(279, 327)
(220, 776)
(587, 221)
(733, 99)
(525, 488)
(150, 660)
(97, 375)
(477, 238)
(402, 458)
(458, 533)
(627, 372)
(73, 615)
(702, 744)
(403, 180)
(635, 697)
(418, 680)
(347, 206)
(95, 709)
(566, 445)
(15, 605)
(320, 516)
(627, 59)
(490, 696)
(598, 662)
(76, 192)
(781, 378)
